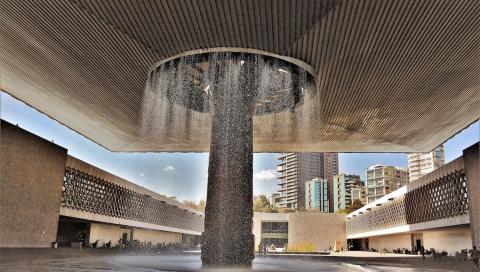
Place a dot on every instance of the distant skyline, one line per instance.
(184, 175)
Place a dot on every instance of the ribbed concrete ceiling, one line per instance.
(392, 75)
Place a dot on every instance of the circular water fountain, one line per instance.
(193, 80)
(232, 86)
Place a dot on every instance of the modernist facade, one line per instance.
(382, 180)
(296, 169)
(68, 198)
(343, 186)
(420, 164)
(58, 198)
(316, 195)
(109, 206)
(436, 211)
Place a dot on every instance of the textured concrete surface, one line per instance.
(228, 238)
(31, 177)
(471, 161)
(319, 229)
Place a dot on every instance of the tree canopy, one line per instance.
(261, 204)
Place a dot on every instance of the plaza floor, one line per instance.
(113, 260)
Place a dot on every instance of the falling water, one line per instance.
(227, 95)
(178, 100)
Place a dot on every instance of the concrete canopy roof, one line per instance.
(393, 76)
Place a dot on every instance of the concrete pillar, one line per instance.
(228, 239)
(471, 164)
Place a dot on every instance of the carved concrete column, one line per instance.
(228, 239)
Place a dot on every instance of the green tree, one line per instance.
(356, 204)
(260, 203)
(201, 205)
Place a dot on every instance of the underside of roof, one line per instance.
(392, 76)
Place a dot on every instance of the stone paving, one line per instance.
(114, 260)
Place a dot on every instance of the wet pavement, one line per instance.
(113, 260)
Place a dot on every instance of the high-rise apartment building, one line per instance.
(312, 194)
(316, 195)
(359, 193)
(420, 164)
(296, 169)
(342, 190)
(382, 180)
(273, 198)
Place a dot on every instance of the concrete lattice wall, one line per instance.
(435, 200)
(94, 194)
(31, 177)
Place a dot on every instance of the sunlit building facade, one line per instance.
(316, 195)
(297, 168)
(382, 180)
(342, 190)
(420, 164)
(358, 193)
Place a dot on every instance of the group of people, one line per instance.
(474, 254)
(172, 246)
(262, 249)
(107, 245)
(159, 247)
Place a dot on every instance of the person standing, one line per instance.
(422, 251)
(475, 256)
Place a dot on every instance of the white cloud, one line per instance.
(142, 174)
(169, 168)
(266, 175)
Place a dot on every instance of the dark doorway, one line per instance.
(355, 244)
(72, 230)
(418, 243)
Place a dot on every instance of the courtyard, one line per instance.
(67, 259)
(118, 117)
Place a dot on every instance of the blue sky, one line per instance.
(184, 175)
